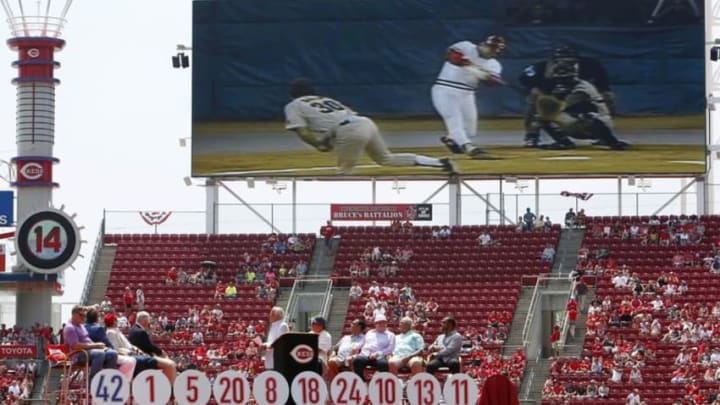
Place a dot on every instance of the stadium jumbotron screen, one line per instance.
(399, 88)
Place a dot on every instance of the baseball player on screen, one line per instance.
(326, 124)
(467, 65)
(536, 78)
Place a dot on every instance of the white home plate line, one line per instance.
(566, 158)
(297, 169)
(688, 162)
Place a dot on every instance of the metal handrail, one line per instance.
(293, 298)
(528, 387)
(566, 322)
(530, 314)
(292, 302)
(327, 301)
(92, 268)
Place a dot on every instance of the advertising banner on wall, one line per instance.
(381, 212)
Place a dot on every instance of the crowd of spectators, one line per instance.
(16, 381)
(645, 328)
(376, 262)
(393, 302)
(675, 231)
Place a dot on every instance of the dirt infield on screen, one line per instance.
(660, 145)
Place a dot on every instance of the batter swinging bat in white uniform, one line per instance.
(453, 94)
(327, 124)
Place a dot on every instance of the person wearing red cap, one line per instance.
(115, 338)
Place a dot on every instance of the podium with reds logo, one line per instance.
(294, 353)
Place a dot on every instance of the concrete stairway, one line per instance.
(321, 265)
(573, 345)
(338, 312)
(516, 328)
(534, 379)
(323, 259)
(566, 255)
(101, 274)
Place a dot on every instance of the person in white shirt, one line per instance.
(140, 298)
(379, 345)
(317, 326)
(620, 280)
(355, 291)
(633, 398)
(466, 66)
(326, 124)
(278, 327)
(484, 239)
(14, 389)
(346, 349)
(657, 303)
(374, 289)
(548, 253)
(122, 321)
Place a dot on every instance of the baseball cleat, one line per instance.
(532, 140)
(619, 145)
(449, 166)
(451, 144)
(476, 153)
(558, 146)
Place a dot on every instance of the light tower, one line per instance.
(46, 239)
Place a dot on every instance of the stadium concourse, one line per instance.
(651, 330)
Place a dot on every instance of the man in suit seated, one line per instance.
(140, 338)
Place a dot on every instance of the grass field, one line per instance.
(641, 158)
(515, 160)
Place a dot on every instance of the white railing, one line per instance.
(327, 301)
(542, 279)
(36, 26)
(302, 284)
(566, 321)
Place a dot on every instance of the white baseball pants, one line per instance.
(458, 110)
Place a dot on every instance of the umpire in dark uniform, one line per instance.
(536, 79)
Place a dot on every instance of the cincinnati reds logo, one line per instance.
(303, 354)
(33, 52)
(32, 171)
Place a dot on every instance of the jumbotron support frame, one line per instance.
(712, 90)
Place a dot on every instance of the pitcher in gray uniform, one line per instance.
(326, 124)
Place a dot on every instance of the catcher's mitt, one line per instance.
(548, 107)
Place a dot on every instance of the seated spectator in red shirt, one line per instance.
(171, 277)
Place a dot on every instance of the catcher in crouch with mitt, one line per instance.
(573, 108)
(327, 124)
